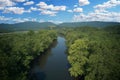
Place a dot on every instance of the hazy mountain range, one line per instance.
(24, 26)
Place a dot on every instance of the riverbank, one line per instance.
(52, 65)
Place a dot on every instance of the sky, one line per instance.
(59, 11)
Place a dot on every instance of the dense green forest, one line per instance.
(94, 53)
(17, 50)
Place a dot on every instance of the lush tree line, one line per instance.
(94, 53)
(18, 49)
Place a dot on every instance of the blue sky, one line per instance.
(58, 11)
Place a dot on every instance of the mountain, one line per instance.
(91, 24)
(25, 26)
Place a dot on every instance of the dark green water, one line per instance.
(52, 65)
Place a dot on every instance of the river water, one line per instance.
(52, 65)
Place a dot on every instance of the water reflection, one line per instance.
(37, 74)
(38, 64)
(43, 58)
(53, 64)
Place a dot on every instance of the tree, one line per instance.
(78, 57)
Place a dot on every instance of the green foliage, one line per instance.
(18, 49)
(94, 53)
(78, 57)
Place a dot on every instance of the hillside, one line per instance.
(91, 24)
(25, 26)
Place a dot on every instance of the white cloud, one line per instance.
(4, 3)
(107, 5)
(101, 13)
(75, 5)
(15, 10)
(75, 10)
(15, 20)
(41, 4)
(3, 18)
(49, 9)
(18, 0)
(69, 11)
(59, 8)
(83, 2)
(44, 6)
(29, 3)
(78, 10)
(47, 12)
(18, 20)
(1, 8)
(33, 9)
(106, 16)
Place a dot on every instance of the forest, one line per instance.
(94, 53)
(17, 50)
(59, 39)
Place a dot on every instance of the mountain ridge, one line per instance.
(30, 25)
(89, 23)
(25, 26)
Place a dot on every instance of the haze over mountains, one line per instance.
(25, 26)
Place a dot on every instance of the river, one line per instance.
(53, 64)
